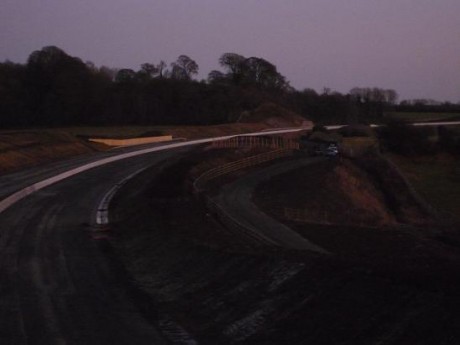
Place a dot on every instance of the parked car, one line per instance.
(331, 150)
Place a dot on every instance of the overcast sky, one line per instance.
(412, 46)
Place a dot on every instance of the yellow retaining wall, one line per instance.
(133, 141)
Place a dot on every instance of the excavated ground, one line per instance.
(25, 149)
(199, 282)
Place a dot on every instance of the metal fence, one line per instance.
(257, 142)
(229, 222)
(238, 165)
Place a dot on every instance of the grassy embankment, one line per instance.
(436, 178)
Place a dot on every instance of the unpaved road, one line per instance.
(235, 199)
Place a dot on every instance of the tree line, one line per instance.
(55, 89)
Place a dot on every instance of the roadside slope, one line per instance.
(23, 149)
(222, 290)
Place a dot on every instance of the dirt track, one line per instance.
(235, 199)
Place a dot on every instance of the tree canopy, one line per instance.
(56, 89)
(249, 71)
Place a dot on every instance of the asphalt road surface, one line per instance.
(10, 183)
(57, 284)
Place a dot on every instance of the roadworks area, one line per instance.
(26, 148)
(391, 275)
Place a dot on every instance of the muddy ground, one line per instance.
(197, 281)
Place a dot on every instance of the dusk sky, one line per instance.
(412, 46)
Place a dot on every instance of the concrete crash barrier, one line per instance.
(133, 141)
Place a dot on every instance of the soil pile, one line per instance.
(274, 115)
(198, 132)
(367, 192)
(326, 192)
(19, 150)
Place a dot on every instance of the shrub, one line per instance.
(405, 139)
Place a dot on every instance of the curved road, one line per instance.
(235, 199)
(57, 285)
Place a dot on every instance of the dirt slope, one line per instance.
(380, 286)
(27, 148)
(22, 149)
(274, 115)
(328, 192)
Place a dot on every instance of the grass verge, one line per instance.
(436, 178)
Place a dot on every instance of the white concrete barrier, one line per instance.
(15, 197)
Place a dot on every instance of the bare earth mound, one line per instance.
(326, 192)
(23, 149)
(274, 115)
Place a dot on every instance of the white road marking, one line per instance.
(21, 194)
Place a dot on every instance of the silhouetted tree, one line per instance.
(372, 102)
(60, 87)
(125, 75)
(184, 68)
(55, 89)
(14, 110)
(216, 77)
(234, 66)
(147, 72)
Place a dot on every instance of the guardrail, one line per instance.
(223, 216)
(259, 142)
(22, 193)
(238, 165)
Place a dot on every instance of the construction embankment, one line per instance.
(389, 284)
